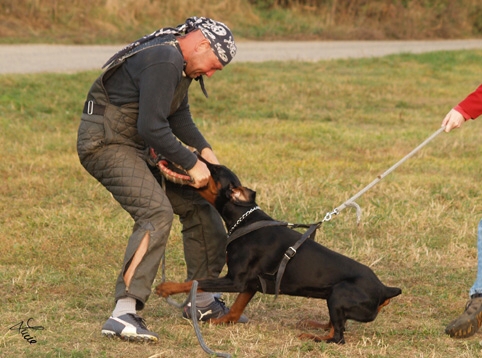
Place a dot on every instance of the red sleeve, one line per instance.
(472, 104)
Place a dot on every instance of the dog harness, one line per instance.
(236, 233)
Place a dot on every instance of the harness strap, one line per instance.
(253, 227)
(290, 252)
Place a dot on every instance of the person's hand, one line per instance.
(199, 174)
(453, 119)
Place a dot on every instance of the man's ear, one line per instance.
(203, 45)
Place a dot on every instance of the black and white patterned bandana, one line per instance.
(218, 34)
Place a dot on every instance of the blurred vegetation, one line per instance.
(109, 21)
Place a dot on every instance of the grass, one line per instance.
(306, 137)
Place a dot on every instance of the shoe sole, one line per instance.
(466, 329)
(138, 338)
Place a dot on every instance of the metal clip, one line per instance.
(328, 216)
(90, 107)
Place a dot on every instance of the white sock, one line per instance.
(123, 306)
(203, 299)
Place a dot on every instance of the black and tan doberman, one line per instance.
(351, 289)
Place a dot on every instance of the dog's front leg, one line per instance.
(236, 309)
(167, 289)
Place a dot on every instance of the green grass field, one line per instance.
(306, 137)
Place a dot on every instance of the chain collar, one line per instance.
(240, 220)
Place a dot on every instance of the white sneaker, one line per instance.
(129, 327)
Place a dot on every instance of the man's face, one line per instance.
(203, 62)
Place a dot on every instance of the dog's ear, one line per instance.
(242, 195)
(236, 194)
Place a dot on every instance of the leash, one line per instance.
(192, 299)
(351, 201)
(195, 323)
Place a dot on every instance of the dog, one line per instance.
(351, 289)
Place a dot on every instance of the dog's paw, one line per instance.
(311, 337)
(161, 290)
(225, 319)
(167, 289)
(327, 339)
(308, 323)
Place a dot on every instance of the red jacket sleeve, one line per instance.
(472, 104)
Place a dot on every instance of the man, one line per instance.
(140, 103)
(471, 319)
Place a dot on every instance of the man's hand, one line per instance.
(453, 119)
(199, 174)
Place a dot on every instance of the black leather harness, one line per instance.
(289, 253)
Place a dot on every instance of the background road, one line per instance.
(73, 58)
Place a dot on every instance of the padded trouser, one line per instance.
(123, 170)
(203, 233)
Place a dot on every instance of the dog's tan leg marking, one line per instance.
(315, 338)
(136, 259)
(236, 309)
(308, 323)
(166, 289)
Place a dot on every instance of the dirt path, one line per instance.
(73, 58)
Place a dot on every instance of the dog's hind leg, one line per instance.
(236, 309)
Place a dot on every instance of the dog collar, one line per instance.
(242, 218)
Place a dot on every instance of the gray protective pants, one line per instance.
(110, 149)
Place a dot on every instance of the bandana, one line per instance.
(218, 34)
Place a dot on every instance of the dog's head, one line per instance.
(223, 187)
(221, 180)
